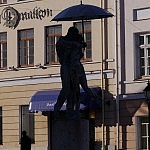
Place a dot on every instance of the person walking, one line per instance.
(25, 141)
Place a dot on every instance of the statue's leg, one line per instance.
(77, 103)
(70, 102)
(73, 104)
(63, 95)
(60, 100)
(83, 82)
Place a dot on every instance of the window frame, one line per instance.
(27, 48)
(2, 50)
(30, 125)
(3, 1)
(56, 36)
(139, 135)
(86, 31)
(146, 51)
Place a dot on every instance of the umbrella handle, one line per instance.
(83, 32)
(83, 29)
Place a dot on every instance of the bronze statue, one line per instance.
(69, 51)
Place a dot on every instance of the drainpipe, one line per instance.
(117, 77)
(102, 81)
(102, 86)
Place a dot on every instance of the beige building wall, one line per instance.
(17, 87)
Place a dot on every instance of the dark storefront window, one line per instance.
(87, 38)
(1, 125)
(26, 121)
(3, 50)
(52, 35)
(26, 48)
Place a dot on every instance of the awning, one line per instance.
(45, 100)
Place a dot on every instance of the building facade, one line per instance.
(116, 59)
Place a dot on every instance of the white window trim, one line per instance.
(138, 133)
(137, 54)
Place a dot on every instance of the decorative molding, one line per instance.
(51, 78)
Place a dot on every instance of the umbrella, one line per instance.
(82, 12)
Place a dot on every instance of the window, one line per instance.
(87, 38)
(26, 121)
(52, 35)
(26, 48)
(143, 133)
(3, 50)
(1, 123)
(144, 54)
(3, 1)
(141, 14)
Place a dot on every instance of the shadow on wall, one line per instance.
(128, 108)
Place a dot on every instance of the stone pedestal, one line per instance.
(70, 134)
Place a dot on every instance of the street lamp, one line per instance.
(147, 96)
